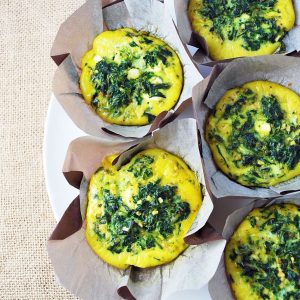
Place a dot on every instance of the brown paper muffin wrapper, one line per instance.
(190, 37)
(81, 271)
(75, 38)
(219, 287)
(279, 69)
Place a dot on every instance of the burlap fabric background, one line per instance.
(27, 29)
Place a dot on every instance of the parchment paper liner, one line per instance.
(280, 69)
(86, 275)
(219, 287)
(190, 37)
(76, 35)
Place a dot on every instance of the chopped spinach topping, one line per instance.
(159, 53)
(130, 34)
(153, 90)
(233, 19)
(147, 40)
(234, 108)
(271, 109)
(111, 204)
(158, 213)
(252, 221)
(111, 79)
(133, 44)
(277, 273)
(213, 136)
(141, 168)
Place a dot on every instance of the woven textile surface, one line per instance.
(27, 31)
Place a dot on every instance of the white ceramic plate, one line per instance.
(59, 132)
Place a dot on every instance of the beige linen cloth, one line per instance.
(27, 30)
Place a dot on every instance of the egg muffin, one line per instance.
(254, 134)
(129, 77)
(139, 215)
(262, 257)
(234, 28)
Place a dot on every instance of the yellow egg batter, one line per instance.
(129, 77)
(234, 28)
(254, 134)
(138, 215)
(262, 257)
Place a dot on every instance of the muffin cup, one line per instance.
(219, 287)
(190, 37)
(227, 194)
(279, 69)
(75, 38)
(81, 271)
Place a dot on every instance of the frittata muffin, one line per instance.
(262, 257)
(234, 28)
(129, 77)
(139, 215)
(254, 134)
